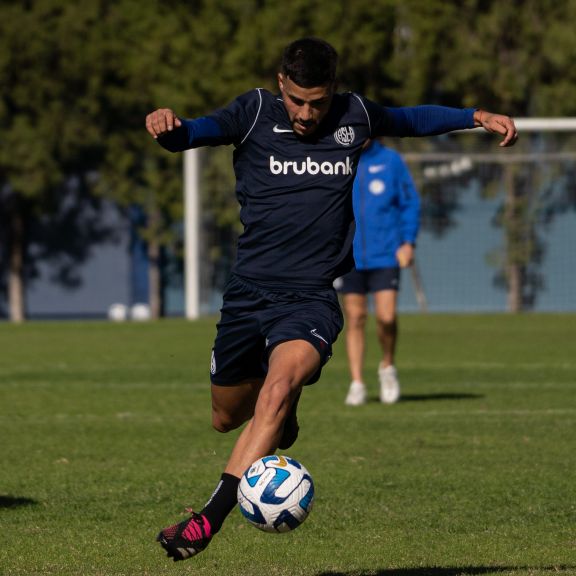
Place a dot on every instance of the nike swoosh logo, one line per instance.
(314, 333)
(280, 130)
(374, 169)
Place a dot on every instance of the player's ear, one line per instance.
(280, 81)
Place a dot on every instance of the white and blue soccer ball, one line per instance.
(276, 494)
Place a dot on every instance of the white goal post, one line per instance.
(545, 124)
(192, 234)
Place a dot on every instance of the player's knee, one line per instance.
(357, 320)
(388, 323)
(221, 424)
(224, 422)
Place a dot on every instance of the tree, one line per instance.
(45, 95)
(513, 57)
(77, 79)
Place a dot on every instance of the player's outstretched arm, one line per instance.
(497, 124)
(161, 121)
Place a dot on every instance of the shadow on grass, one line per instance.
(453, 571)
(440, 396)
(15, 502)
(432, 397)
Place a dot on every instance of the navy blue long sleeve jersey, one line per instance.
(295, 193)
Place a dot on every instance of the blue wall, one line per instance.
(454, 266)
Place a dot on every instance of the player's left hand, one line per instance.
(405, 255)
(497, 124)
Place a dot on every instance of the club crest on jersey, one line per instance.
(344, 135)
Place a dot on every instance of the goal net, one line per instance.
(498, 226)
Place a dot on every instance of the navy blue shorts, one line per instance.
(254, 320)
(370, 281)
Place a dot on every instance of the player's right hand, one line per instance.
(161, 121)
(405, 255)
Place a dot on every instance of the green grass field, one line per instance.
(106, 438)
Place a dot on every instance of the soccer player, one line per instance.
(387, 212)
(295, 159)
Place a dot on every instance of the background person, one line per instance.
(387, 212)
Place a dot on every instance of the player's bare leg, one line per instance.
(234, 405)
(265, 405)
(385, 303)
(291, 365)
(356, 312)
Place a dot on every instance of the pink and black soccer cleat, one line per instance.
(187, 538)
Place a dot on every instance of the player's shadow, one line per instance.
(7, 502)
(453, 571)
(432, 397)
(440, 396)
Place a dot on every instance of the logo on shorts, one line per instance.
(213, 363)
(314, 333)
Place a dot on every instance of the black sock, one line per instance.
(222, 501)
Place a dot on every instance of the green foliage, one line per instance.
(511, 57)
(78, 78)
(106, 438)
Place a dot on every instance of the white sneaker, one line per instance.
(389, 385)
(356, 394)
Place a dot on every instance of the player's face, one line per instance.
(306, 107)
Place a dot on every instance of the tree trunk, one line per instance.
(154, 279)
(514, 275)
(16, 266)
(512, 226)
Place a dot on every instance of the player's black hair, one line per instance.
(310, 62)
